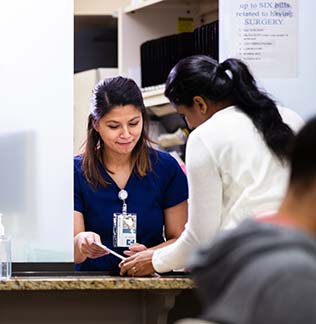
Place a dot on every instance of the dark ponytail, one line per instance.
(260, 108)
(231, 81)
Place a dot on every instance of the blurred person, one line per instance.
(264, 271)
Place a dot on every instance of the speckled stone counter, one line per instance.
(93, 300)
(95, 283)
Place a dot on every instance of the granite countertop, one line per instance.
(95, 283)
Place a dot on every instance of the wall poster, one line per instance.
(264, 34)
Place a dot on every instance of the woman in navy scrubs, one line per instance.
(127, 195)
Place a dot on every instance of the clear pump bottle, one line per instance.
(5, 254)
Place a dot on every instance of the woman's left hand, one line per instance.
(135, 248)
(138, 264)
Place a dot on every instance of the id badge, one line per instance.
(124, 229)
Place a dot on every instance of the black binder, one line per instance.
(160, 55)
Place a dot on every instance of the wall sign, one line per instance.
(264, 34)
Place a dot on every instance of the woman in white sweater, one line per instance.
(236, 155)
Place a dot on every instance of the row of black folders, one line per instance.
(160, 55)
(206, 40)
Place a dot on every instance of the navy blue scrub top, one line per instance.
(165, 186)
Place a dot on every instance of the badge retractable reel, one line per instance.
(123, 194)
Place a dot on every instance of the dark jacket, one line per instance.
(260, 273)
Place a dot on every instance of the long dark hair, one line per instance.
(200, 75)
(107, 95)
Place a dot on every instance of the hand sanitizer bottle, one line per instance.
(5, 254)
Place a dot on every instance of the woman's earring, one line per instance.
(202, 109)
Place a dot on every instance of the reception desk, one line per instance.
(89, 299)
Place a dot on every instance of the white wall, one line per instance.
(295, 93)
(36, 110)
(84, 82)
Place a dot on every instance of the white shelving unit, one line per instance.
(151, 19)
(155, 97)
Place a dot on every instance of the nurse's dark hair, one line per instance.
(230, 81)
(107, 95)
(303, 158)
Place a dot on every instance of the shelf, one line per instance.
(155, 97)
(162, 4)
(153, 19)
(97, 7)
(141, 5)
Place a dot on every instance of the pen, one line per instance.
(116, 254)
(109, 250)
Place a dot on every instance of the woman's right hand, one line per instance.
(86, 248)
(135, 248)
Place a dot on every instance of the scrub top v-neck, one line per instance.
(109, 178)
(163, 187)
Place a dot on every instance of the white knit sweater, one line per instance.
(232, 174)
